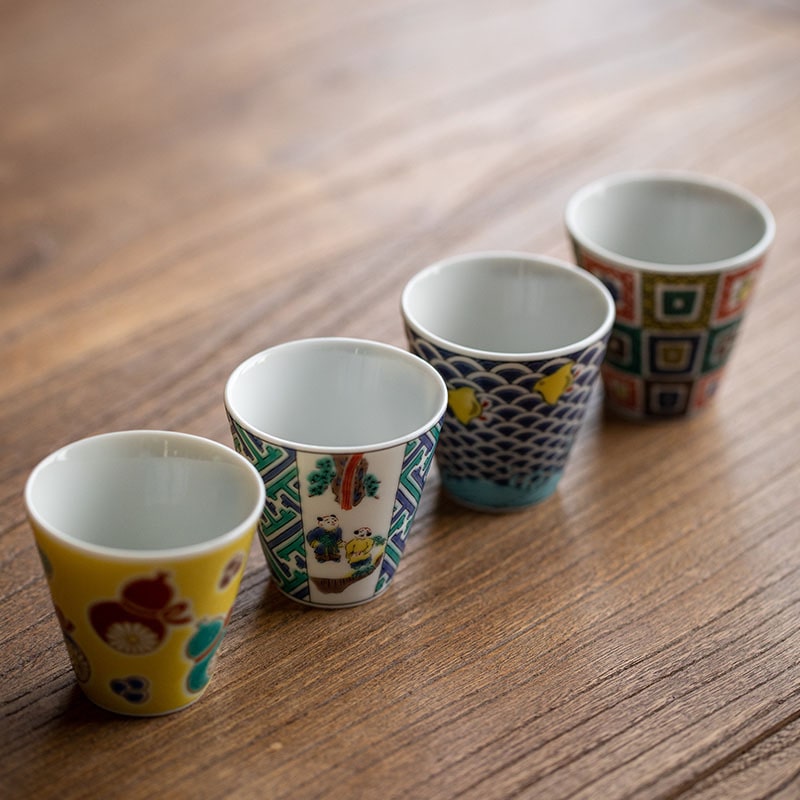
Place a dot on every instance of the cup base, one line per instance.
(126, 711)
(331, 606)
(482, 495)
(627, 415)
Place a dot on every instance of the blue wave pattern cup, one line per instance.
(519, 340)
(342, 432)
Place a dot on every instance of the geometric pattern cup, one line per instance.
(680, 253)
(342, 432)
(519, 340)
(143, 536)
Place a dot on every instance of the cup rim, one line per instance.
(340, 341)
(124, 554)
(687, 177)
(491, 355)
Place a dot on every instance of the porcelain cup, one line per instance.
(143, 536)
(518, 339)
(680, 253)
(343, 432)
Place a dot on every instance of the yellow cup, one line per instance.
(143, 536)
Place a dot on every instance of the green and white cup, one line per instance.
(343, 432)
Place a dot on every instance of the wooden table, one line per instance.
(184, 184)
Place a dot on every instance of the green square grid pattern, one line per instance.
(675, 302)
(624, 349)
(720, 344)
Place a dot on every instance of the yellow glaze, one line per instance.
(169, 615)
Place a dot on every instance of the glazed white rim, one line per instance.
(425, 370)
(216, 451)
(671, 176)
(491, 355)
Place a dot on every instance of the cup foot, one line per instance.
(481, 495)
(305, 601)
(127, 711)
(627, 415)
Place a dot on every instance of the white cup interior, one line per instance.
(507, 304)
(144, 491)
(336, 394)
(673, 220)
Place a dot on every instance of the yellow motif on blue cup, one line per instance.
(552, 386)
(464, 404)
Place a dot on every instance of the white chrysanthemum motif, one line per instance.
(132, 638)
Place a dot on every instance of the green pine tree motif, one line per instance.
(320, 479)
(371, 485)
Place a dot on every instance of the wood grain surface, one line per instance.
(183, 184)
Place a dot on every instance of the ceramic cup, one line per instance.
(519, 340)
(143, 536)
(680, 253)
(343, 432)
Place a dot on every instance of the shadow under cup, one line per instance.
(518, 340)
(680, 253)
(343, 433)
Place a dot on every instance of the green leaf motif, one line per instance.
(320, 479)
(371, 485)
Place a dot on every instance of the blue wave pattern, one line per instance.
(514, 452)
